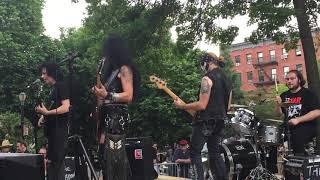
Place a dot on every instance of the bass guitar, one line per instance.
(161, 84)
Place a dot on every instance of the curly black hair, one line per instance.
(53, 70)
(117, 53)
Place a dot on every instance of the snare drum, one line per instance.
(269, 135)
(243, 121)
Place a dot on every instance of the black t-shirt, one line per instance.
(304, 100)
(58, 93)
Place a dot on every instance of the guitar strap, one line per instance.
(112, 77)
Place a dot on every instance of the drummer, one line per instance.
(300, 108)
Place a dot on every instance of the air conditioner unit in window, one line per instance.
(284, 56)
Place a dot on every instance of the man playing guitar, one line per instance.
(56, 119)
(212, 106)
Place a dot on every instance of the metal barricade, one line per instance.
(173, 169)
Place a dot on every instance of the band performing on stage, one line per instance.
(257, 148)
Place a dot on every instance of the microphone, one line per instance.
(37, 81)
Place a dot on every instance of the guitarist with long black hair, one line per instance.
(121, 87)
(56, 117)
(212, 106)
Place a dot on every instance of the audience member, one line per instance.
(21, 147)
(43, 151)
(5, 146)
(182, 157)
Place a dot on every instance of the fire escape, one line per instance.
(265, 78)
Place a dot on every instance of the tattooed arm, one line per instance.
(126, 77)
(205, 90)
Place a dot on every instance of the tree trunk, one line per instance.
(309, 52)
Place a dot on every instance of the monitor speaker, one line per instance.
(139, 152)
(20, 166)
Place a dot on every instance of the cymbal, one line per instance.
(274, 120)
(238, 106)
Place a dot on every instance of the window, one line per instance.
(284, 55)
(299, 67)
(260, 57)
(298, 50)
(237, 60)
(285, 70)
(284, 51)
(273, 74)
(249, 76)
(261, 75)
(249, 58)
(272, 55)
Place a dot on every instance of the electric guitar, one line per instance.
(161, 84)
(99, 101)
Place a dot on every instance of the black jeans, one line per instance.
(198, 139)
(56, 170)
(300, 136)
(57, 141)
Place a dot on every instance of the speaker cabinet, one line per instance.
(139, 152)
(18, 166)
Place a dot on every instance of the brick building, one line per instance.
(259, 64)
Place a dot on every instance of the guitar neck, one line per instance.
(175, 97)
(98, 81)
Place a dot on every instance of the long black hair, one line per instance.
(117, 53)
(53, 70)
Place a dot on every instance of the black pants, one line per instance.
(216, 162)
(56, 170)
(115, 162)
(57, 141)
(300, 136)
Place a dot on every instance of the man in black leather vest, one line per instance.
(214, 101)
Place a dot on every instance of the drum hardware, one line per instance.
(238, 106)
(269, 135)
(274, 120)
(243, 121)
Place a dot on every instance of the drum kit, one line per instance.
(257, 145)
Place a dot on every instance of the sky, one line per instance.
(64, 13)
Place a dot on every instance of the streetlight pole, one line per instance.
(22, 99)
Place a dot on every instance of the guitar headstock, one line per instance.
(161, 84)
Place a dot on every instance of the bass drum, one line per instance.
(240, 158)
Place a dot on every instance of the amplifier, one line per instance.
(302, 167)
(139, 152)
(70, 168)
(21, 166)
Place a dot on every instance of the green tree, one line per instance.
(274, 20)
(237, 94)
(23, 47)
(10, 129)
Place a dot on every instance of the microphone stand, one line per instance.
(75, 137)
